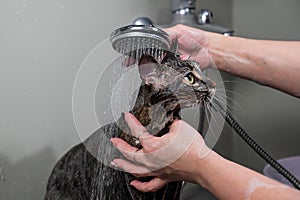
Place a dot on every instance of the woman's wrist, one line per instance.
(205, 167)
(237, 56)
(218, 50)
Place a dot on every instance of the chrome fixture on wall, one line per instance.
(184, 13)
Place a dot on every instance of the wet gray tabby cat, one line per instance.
(172, 85)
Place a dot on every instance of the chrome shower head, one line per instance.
(133, 40)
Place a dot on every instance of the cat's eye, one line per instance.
(190, 78)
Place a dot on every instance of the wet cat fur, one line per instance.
(166, 88)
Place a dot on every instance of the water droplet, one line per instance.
(62, 6)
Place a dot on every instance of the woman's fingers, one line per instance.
(134, 169)
(192, 43)
(151, 186)
(122, 145)
(137, 129)
(159, 152)
(147, 140)
(148, 159)
(126, 149)
(140, 132)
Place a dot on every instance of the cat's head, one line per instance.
(176, 81)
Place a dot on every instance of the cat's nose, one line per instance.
(214, 84)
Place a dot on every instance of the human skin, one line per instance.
(267, 62)
(197, 164)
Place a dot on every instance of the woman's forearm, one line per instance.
(228, 180)
(271, 63)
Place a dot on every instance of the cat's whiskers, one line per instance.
(224, 103)
(231, 103)
(214, 118)
(208, 119)
(224, 107)
(222, 95)
(232, 92)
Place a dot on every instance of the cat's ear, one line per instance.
(172, 54)
(148, 69)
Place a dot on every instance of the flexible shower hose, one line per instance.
(258, 149)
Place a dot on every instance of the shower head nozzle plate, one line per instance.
(133, 38)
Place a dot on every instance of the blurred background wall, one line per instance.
(270, 116)
(43, 43)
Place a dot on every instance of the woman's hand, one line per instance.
(182, 154)
(192, 44)
(167, 158)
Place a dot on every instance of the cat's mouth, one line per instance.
(205, 96)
